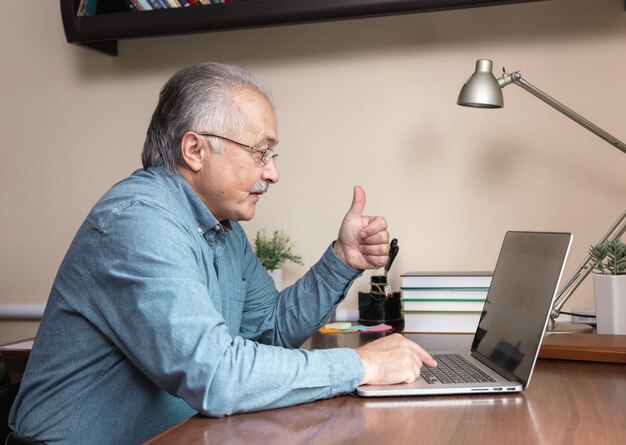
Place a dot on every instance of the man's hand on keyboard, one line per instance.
(393, 359)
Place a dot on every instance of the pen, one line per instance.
(393, 252)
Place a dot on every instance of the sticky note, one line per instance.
(338, 325)
(378, 328)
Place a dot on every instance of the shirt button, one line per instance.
(218, 228)
(200, 229)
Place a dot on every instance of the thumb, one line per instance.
(358, 201)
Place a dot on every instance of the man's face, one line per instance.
(230, 183)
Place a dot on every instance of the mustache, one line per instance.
(260, 187)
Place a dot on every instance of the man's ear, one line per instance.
(192, 151)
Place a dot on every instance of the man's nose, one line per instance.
(270, 172)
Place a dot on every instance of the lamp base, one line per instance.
(568, 328)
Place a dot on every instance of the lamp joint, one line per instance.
(508, 79)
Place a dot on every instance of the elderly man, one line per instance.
(161, 310)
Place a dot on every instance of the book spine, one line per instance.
(155, 4)
(443, 306)
(143, 5)
(454, 323)
(410, 294)
(81, 8)
(86, 8)
(446, 282)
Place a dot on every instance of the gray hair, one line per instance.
(201, 98)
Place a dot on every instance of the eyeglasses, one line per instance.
(267, 154)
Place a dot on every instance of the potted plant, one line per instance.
(608, 261)
(274, 251)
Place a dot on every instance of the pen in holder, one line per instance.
(380, 305)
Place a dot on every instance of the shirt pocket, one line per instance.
(236, 295)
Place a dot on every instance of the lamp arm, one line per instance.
(617, 229)
(615, 232)
(517, 79)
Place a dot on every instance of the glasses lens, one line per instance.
(267, 155)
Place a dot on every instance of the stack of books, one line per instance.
(449, 302)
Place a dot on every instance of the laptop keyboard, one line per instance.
(453, 368)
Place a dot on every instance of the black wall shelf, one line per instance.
(102, 31)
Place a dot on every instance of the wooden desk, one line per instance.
(568, 402)
(15, 356)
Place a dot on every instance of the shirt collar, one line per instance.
(188, 198)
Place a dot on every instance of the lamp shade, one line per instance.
(481, 89)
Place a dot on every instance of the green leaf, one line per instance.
(274, 251)
(609, 257)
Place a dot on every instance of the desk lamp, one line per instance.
(483, 90)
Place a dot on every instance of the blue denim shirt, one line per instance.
(159, 311)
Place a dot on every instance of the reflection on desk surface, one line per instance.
(445, 402)
(332, 421)
(568, 402)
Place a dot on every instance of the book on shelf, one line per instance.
(446, 279)
(411, 294)
(442, 306)
(441, 322)
(95, 7)
(134, 5)
(149, 5)
(155, 4)
(144, 5)
(86, 7)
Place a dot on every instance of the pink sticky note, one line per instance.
(378, 328)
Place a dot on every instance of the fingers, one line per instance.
(374, 226)
(380, 242)
(425, 357)
(416, 364)
(375, 262)
(375, 240)
(358, 201)
(375, 250)
(393, 359)
(375, 231)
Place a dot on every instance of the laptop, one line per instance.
(511, 327)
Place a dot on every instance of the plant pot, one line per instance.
(277, 276)
(610, 296)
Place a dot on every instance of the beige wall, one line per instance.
(369, 102)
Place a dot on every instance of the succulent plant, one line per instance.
(609, 257)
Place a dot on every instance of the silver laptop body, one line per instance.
(513, 321)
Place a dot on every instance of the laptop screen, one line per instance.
(519, 300)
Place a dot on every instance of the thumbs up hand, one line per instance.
(363, 241)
